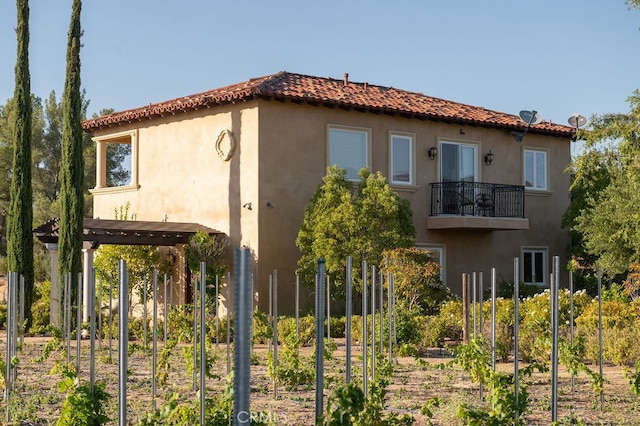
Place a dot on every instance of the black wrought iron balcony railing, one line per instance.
(477, 199)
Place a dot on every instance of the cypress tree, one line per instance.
(20, 216)
(72, 167)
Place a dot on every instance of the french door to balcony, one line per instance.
(458, 164)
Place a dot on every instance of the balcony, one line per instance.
(476, 205)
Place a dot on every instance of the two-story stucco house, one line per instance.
(245, 160)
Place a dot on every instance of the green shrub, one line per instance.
(40, 308)
(535, 321)
(504, 326)
(180, 323)
(306, 329)
(347, 404)
(621, 346)
(614, 315)
(620, 334)
(221, 330)
(292, 370)
(407, 326)
(450, 319)
(262, 330)
(437, 329)
(3, 266)
(3, 313)
(338, 325)
(356, 327)
(616, 292)
(136, 329)
(82, 406)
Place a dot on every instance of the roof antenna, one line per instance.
(576, 121)
(529, 117)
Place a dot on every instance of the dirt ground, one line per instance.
(37, 399)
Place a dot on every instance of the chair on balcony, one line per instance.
(484, 203)
(465, 202)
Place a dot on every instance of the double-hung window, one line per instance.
(349, 149)
(535, 170)
(401, 159)
(534, 265)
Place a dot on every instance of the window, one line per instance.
(116, 162)
(535, 169)
(437, 255)
(402, 159)
(458, 162)
(349, 149)
(534, 266)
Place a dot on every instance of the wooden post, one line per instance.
(465, 308)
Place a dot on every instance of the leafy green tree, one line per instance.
(339, 222)
(606, 190)
(141, 260)
(47, 158)
(72, 167)
(20, 237)
(416, 278)
(211, 250)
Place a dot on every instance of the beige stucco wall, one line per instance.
(297, 134)
(280, 159)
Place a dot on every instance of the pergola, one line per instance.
(109, 231)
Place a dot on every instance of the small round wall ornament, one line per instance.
(225, 145)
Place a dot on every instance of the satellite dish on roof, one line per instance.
(530, 117)
(577, 121)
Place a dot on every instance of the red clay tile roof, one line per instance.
(329, 92)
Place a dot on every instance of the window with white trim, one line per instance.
(535, 169)
(349, 150)
(534, 263)
(401, 159)
(117, 160)
(437, 255)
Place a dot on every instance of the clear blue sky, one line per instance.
(555, 56)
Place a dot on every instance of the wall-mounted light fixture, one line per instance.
(488, 158)
(432, 152)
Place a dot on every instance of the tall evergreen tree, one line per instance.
(340, 222)
(72, 167)
(19, 226)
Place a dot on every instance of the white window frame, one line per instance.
(409, 139)
(539, 281)
(460, 144)
(438, 253)
(128, 137)
(538, 156)
(366, 156)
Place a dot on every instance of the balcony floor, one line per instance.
(477, 222)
